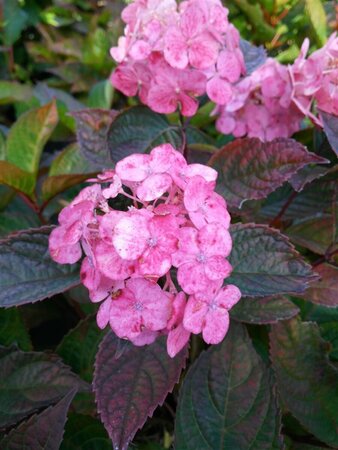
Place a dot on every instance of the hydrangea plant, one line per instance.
(193, 235)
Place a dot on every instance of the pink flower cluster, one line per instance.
(315, 80)
(158, 267)
(171, 54)
(274, 100)
(262, 106)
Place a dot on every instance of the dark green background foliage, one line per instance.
(272, 383)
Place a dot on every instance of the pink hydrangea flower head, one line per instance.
(207, 313)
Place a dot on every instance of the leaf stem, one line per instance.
(276, 221)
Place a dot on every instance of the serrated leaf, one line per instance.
(265, 262)
(13, 329)
(315, 11)
(331, 129)
(249, 169)
(54, 185)
(307, 381)
(227, 401)
(11, 221)
(263, 310)
(139, 130)
(91, 130)
(28, 136)
(11, 91)
(27, 273)
(130, 386)
(17, 178)
(42, 431)
(79, 347)
(85, 433)
(30, 381)
(325, 290)
(306, 175)
(314, 233)
(71, 161)
(253, 56)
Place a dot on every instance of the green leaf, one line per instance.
(101, 95)
(250, 169)
(315, 12)
(42, 431)
(325, 290)
(91, 129)
(263, 310)
(57, 16)
(79, 347)
(130, 382)
(27, 273)
(70, 161)
(2, 146)
(139, 130)
(85, 433)
(31, 381)
(28, 136)
(13, 330)
(11, 91)
(15, 219)
(15, 21)
(314, 233)
(265, 262)
(227, 400)
(19, 179)
(307, 381)
(52, 186)
(329, 331)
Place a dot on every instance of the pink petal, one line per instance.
(192, 278)
(215, 239)
(228, 66)
(228, 296)
(216, 326)
(162, 99)
(154, 186)
(175, 48)
(111, 264)
(196, 192)
(192, 21)
(103, 314)
(203, 51)
(161, 158)
(146, 337)
(140, 50)
(133, 168)
(194, 315)
(217, 268)
(188, 105)
(177, 339)
(219, 90)
(208, 173)
(154, 263)
(130, 234)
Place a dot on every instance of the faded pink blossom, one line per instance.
(141, 305)
(208, 313)
(178, 336)
(200, 258)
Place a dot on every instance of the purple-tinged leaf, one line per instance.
(27, 273)
(227, 400)
(91, 129)
(325, 290)
(253, 56)
(306, 175)
(306, 380)
(331, 129)
(249, 169)
(43, 431)
(265, 262)
(263, 310)
(31, 381)
(129, 387)
(138, 130)
(314, 233)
